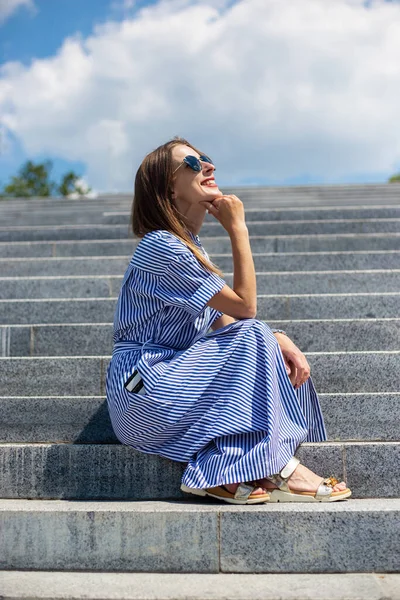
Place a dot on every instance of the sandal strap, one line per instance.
(244, 491)
(289, 469)
(280, 479)
(326, 487)
(323, 491)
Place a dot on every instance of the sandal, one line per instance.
(243, 494)
(324, 492)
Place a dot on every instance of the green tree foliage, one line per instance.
(395, 178)
(34, 180)
(70, 184)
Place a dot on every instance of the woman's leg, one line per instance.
(282, 417)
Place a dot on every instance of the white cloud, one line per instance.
(8, 7)
(271, 89)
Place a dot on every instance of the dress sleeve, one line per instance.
(187, 284)
(215, 314)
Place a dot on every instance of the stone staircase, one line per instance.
(74, 499)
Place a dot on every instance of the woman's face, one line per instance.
(192, 186)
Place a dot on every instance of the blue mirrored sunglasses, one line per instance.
(195, 163)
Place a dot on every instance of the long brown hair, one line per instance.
(153, 207)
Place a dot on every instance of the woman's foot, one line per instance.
(233, 493)
(232, 487)
(302, 480)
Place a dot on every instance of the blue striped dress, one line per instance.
(220, 401)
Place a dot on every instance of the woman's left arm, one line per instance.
(294, 358)
(222, 321)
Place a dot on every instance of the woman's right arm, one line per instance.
(240, 301)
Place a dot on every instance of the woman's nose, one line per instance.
(207, 167)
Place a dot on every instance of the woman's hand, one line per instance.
(290, 370)
(228, 210)
(296, 364)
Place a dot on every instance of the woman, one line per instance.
(234, 403)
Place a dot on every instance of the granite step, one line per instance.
(58, 216)
(294, 227)
(270, 307)
(267, 193)
(85, 419)
(251, 200)
(369, 242)
(296, 261)
(289, 282)
(311, 193)
(193, 537)
(341, 372)
(70, 585)
(117, 471)
(260, 213)
(326, 335)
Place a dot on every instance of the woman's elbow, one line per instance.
(250, 312)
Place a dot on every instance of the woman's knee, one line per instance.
(265, 329)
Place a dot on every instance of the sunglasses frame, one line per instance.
(199, 160)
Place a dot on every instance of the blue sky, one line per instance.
(38, 33)
(296, 93)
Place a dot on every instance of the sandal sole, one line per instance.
(199, 492)
(279, 496)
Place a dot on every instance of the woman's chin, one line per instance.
(213, 193)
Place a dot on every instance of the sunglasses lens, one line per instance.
(206, 159)
(193, 162)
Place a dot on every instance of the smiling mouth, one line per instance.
(209, 183)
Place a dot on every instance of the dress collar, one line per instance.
(195, 238)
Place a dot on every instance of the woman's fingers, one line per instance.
(303, 369)
(299, 367)
(208, 205)
(226, 209)
(288, 369)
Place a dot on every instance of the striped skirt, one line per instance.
(225, 405)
